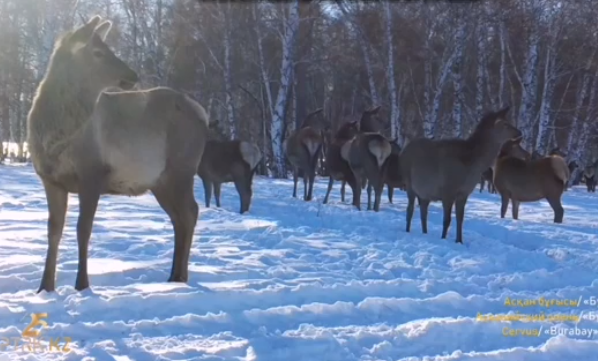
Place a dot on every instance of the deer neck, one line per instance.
(485, 152)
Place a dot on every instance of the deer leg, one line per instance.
(447, 208)
(355, 183)
(370, 195)
(391, 191)
(57, 199)
(343, 191)
(482, 181)
(460, 215)
(89, 196)
(312, 178)
(378, 195)
(207, 191)
(243, 186)
(217, 188)
(557, 207)
(176, 197)
(410, 208)
(515, 209)
(305, 184)
(295, 179)
(423, 213)
(504, 204)
(330, 184)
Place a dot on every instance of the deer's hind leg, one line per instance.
(57, 199)
(447, 209)
(410, 209)
(175, 195)
(423, 213)
(557, 207)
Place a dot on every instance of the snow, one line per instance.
(301, 281)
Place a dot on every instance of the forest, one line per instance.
(260, 67)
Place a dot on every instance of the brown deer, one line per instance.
(226, 161)
(337, 165)
(89, 141)
(368, 123)
(448, 170)
(519, 178)
(367, 154)
(487, 177)
(303, 149)
(393, 171)
(589, 175)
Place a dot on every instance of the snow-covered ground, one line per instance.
(297, 281)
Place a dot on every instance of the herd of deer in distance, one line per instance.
(91, 133)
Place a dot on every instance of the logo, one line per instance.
(31, 339)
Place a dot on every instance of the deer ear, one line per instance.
(82, 35)
(103, 29)
(518, 139)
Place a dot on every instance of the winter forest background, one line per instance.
(259, 68)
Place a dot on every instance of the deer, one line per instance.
(226, 161)
(367, 155)
(91, 133)
(520, 179)
(393, 173)
(337, 163)
(487, 177)
(303, 149)
(589, 175)
(448, 170)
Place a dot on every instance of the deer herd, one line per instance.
(91, 133)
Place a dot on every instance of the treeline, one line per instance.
(260, 67)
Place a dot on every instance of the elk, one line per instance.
(448, 170)
(337, 167)
(519, 178)
(487, 176)
(337, 164)
(367, 154)
(303, 149)
(393, 172)
(589, 175)
(226, 161)
(91, 134)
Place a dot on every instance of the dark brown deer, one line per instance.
(518, 178)
(226, 161)
(88, 137)
(368, 123)
(337, 167)
(303, 149)
(589, 175)
(488, 177)
(393, 171)
(367, 155)
(334, 160)
(448, 170)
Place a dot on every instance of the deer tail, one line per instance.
(560, 169)
(312, 145)
(251, 153)
(380, 149)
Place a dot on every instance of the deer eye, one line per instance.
(98, 53)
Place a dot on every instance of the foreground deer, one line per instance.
(303, 149)
(91, 142)
(519, 179)
(226, 161)
(448, 170)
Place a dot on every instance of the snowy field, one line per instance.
(297, 281)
